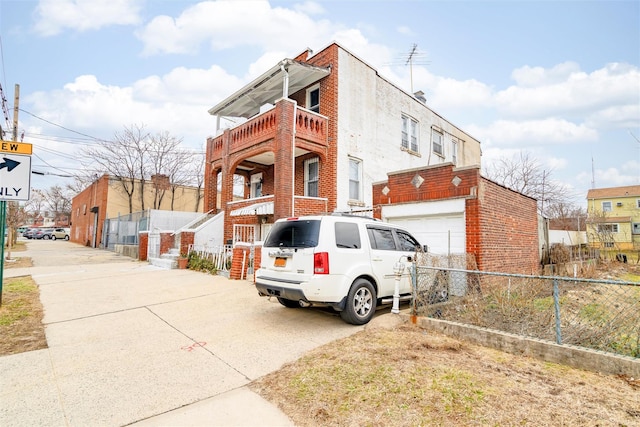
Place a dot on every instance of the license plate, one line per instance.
(280, 262)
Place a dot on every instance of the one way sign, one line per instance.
(15, 177)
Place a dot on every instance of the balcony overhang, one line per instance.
(288, 76)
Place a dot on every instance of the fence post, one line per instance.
(556, 304)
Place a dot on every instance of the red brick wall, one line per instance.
(509, 230)
(82, 219)
(167, 241)
(240, 252)
(186, 238)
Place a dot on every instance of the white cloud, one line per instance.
(505, 133)
(565, 90)
(251, 23)
(54, 16)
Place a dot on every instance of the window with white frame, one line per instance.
(607, 228)
(355, 179)
(454, 152)
(409, 135)
(437, 142)
(313, 99)
(256, 185)
(311, 177)
(606, 206)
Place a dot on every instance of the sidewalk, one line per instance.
(132, 344)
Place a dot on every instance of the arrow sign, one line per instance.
(10, 164)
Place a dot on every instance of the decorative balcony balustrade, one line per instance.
(310, 127)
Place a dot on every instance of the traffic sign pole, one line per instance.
(3, 218)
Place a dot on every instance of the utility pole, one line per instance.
(3, 203)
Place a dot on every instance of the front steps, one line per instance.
(167, 261)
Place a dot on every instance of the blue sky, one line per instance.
(559, 80)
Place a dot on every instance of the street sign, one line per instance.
(15, 176)
(16, 147)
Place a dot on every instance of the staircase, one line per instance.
(168, 261)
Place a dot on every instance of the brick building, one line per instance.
(456, 210)
(315, 133)
(104, 198)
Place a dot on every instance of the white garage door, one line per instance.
(444, 234)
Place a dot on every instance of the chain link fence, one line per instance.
(598, 314)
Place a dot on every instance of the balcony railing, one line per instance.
(310, 127)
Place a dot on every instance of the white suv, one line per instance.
(341, 261)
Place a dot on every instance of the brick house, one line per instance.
(104, 198)
(315, 132)
(614, 217)
(456, 210)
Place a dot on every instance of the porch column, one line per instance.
(284, 169)
(226, 190)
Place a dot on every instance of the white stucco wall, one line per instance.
(370, 113)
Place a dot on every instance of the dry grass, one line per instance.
(408, 377)
(21, 327)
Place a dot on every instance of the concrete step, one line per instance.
(167, 263)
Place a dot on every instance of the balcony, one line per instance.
(310, 128)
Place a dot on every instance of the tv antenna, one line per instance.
(414, 57)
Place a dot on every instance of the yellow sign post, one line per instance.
(16, 147)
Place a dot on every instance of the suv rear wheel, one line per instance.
(361, 303)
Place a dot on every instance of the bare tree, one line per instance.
(526, 175)
(35, 206)
(168, 160)
(58, 201)
(15, 217)
(125, 159)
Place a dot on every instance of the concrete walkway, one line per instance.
(132, 344)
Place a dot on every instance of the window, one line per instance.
(256, 185)
(454, 152)
(381, 238)
(355, 172)
(436, 138)
(638, 203)
(606, 206)
(635, 228)
(409, 134)
(347, 235)
(311, 177)
(607, 228)
(407, 242)
(313, 99)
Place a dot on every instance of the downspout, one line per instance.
(285, 94)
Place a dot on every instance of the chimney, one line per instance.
(420, 96)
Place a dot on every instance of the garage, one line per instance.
(439, 225)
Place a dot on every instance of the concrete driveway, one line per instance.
(130, 343)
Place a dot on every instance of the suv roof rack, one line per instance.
(352, 215)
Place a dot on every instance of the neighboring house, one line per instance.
(315, 133)
(614, 217)
(105, 198)
(455, 210)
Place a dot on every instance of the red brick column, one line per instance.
(143, 245)
(283, 165)
(186, 239)
(166, 242)
(241, 252)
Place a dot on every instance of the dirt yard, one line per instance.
(408, 377)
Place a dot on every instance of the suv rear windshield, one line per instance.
(294, 234)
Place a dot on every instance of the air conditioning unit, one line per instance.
(619, 204)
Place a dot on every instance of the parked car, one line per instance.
(29, 232)
(340, 261)
(43, 233)
(60, 233)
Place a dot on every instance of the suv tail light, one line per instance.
(321, 263)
